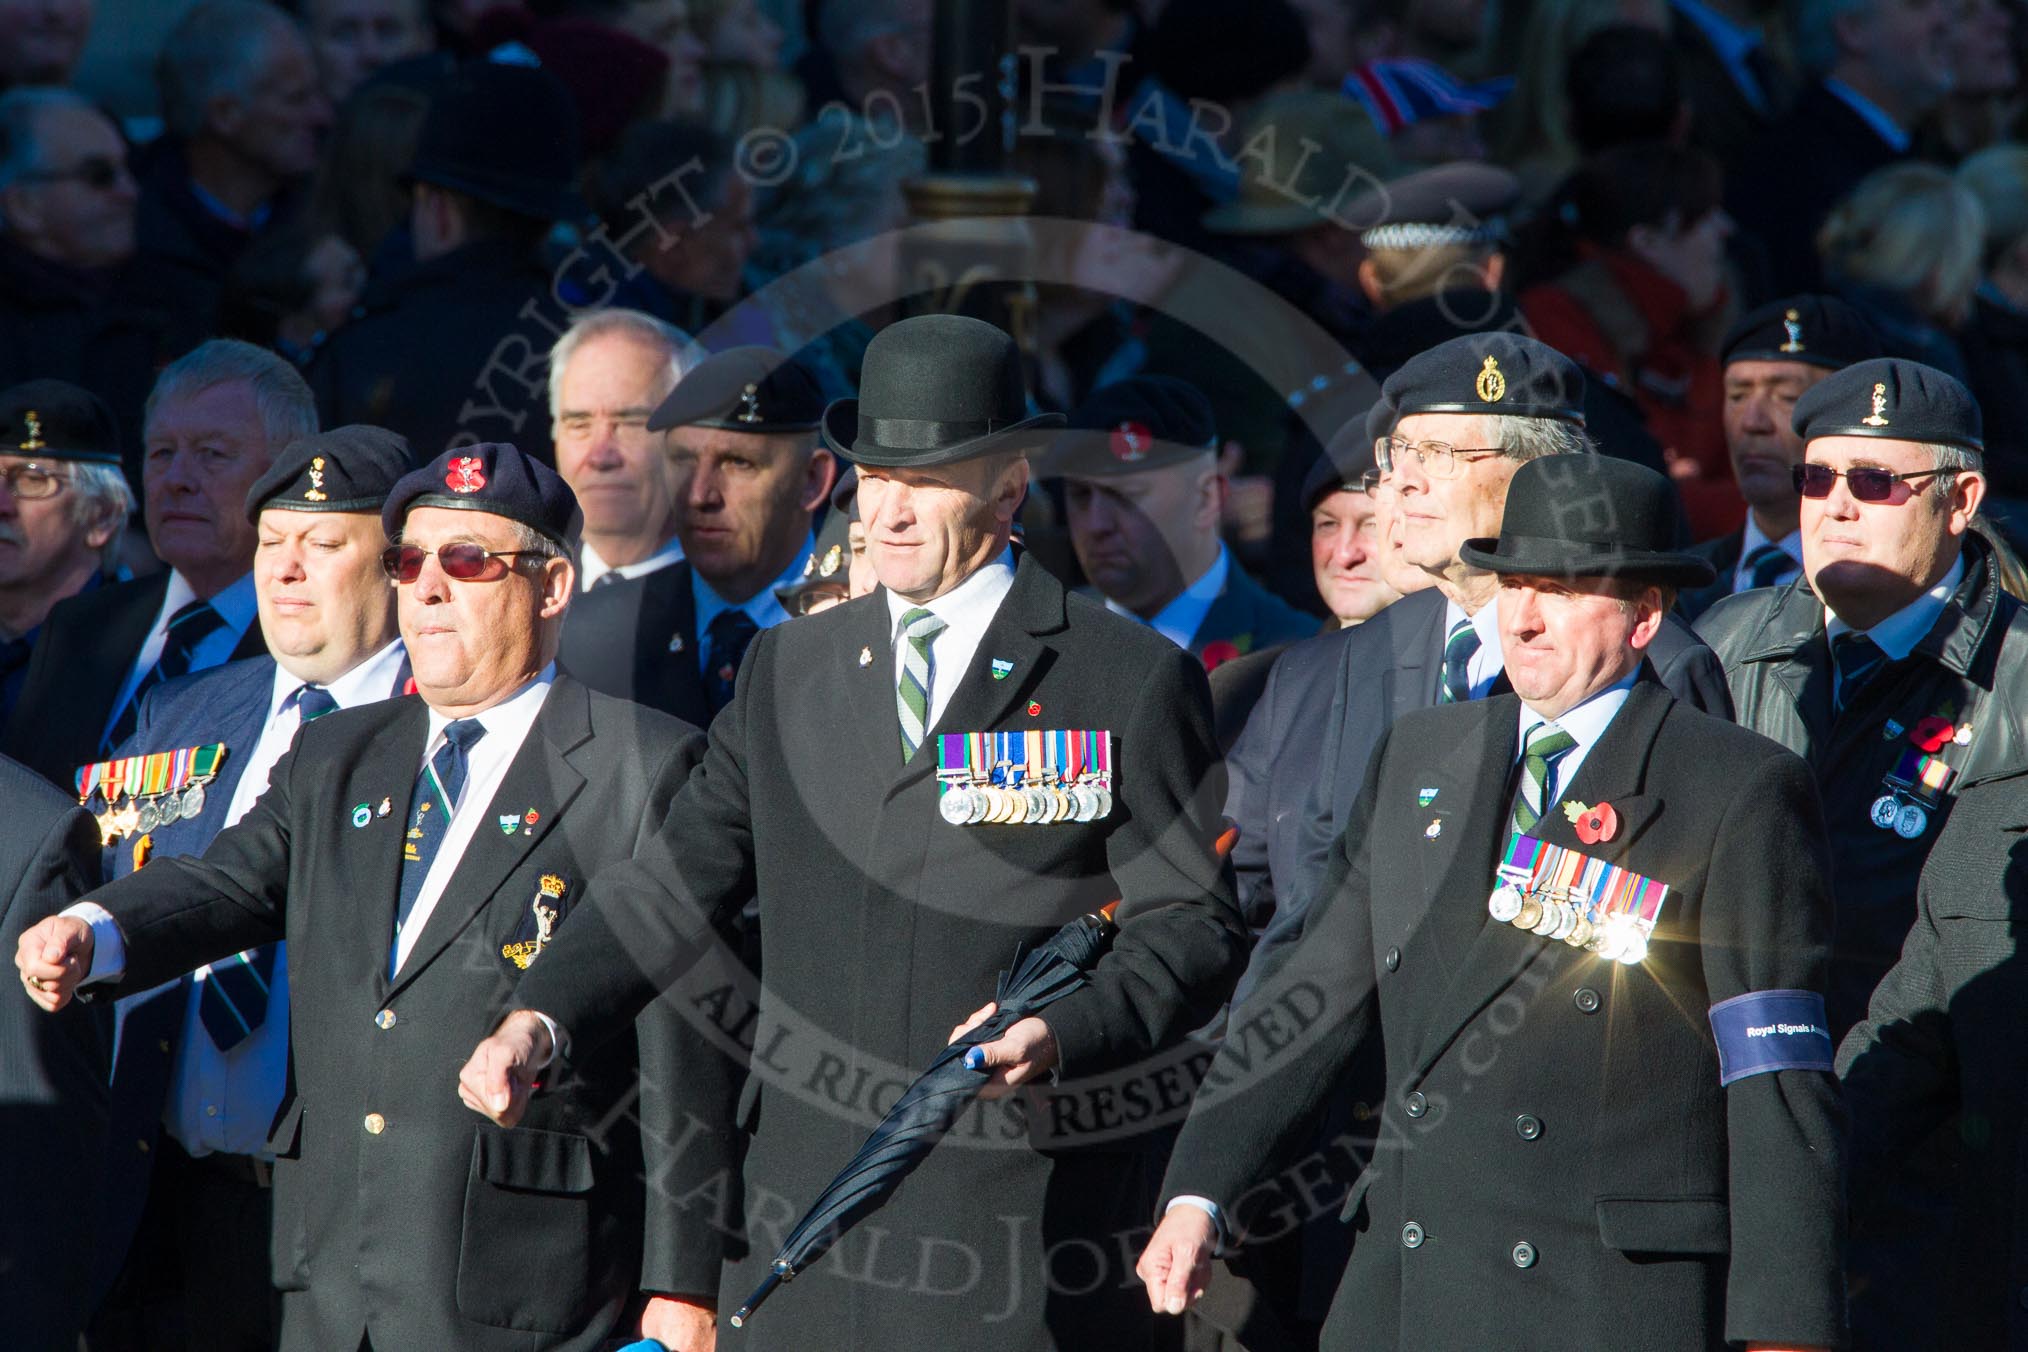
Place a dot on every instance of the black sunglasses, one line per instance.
(460, 562)
(97, 172)
(1866, 483)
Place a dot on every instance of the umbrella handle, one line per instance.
(1222, 847)
(781, 1273)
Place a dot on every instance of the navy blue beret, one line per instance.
(56, 420)
(490, 477)
(1814, 330)
(1140, 423)
(744, 389)
(347, 469)
(1344, 463)
(1504, 374)
(1895, 399)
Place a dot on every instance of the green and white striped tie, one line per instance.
(1545, 745)
(1461, 645)
(912, 696)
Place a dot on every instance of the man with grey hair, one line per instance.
(63, 510)
(881, 52)
(242, 112)
(607, 373)
(1881, 65)
(213, 425)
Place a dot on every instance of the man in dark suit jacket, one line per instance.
(398, 1224)
(52, 1082)
(827, 792)
(749, 476)
(1624, 1155)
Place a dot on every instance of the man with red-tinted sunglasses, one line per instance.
(1898, 667)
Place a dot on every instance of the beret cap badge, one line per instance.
(465, 475)
(1877, 418)
(1792, 321)
(749, 404)
(315, 492)
(1130, 442)
(35, 441)
(1491, 385)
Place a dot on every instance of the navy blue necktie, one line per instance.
(313, 702)
(188, 627)
(437, 790)
(1858, 659)
(1765, 566)
(1460, 647)
(728, 637)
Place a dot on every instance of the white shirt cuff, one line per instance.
(556, 1043)
(109, 946)
(1209, 1208)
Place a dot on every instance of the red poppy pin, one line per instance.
(1222, 650)
(467, 474)
(1932, 733)
(1130, 442)
(1594, 824)
(1035, 708)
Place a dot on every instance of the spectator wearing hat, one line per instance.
(202, 1062)
(745, 476)
(446, 842)
(1144, 498)
(837, 569)
(1710, 1151)
(1772, 358)
(215, 422)
(1892, 666)
(883, 920)
(432, 353)
(1349, 525)
(63, 512)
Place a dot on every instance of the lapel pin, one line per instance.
(1891, 729)
(1424, 797)
(866, 657)
(1930, 734)
(361, 815)
(1434, 829)
(386, 806)
(1001, 668)
(509, 823)
(1963, 736)
(1594, 825)
(676, 642)
(1035, 708)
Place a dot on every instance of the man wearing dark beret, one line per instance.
(1771, 359)
(1895, 665)
(746, 477)
(839, 788)
(1145, 498)
(419, 856)
(63, 511)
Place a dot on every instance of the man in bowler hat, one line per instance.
(886, 912)
(1616, 1120)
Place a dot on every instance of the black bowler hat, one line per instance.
(347, 469)
(505, 134)
(1894, 399)
(1345, 462)
(56, 420)
(1139, 423)
(1504, 374)
(490, 477)
(1813, 330)
(1590, 516)
(744, 389)
(933, 390)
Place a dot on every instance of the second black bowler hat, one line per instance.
(933, 390)
(505, 134)
(1589, 516)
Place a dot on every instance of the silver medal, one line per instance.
(193, 802)
(1910, 822)
(1885, 810)
(150, 817)
(954, 807)
(1504, 904)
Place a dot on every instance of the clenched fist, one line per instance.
(54, 958)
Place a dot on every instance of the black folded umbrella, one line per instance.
(1049, 971)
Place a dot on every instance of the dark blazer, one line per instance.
(52, 1081)
(1790, 178)
(1249, 617)
(1566, 1153)
(82, 659)
(884, 926)
(396, 1210)
(637, 639)
(1723, 555)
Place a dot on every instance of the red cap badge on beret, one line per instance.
(1130, 442)
(466, 475)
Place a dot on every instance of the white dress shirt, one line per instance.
(1586, 723)
(764, 608)
(966, 610)
(1750, 541)
(1489, 661)
(235, 605)
(1180, 620)
(591, 567)
(1898, 634)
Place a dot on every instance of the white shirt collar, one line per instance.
(1180, 620)
(764, 608)
(236, 605)
(972, 602)
(1872, 114)
(367, 683)
(1898, 634)
(591, 567)
(511, 718)
(1586, 724)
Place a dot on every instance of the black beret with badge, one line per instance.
(1346, 461)
(347, 469)
(1140, 423)
(1813, 330)
(490, 477)
(1575, 516)
(934, 390)
(56, 420)
(1503, 374)
(1894, 399)
(744, 389)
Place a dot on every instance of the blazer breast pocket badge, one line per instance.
(1030, 778)
(538, 922)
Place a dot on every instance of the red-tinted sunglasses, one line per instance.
(460, 562)
(1866, 483)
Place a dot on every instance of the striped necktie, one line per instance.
(437, 791)
(912, 695)
(1765, 566)
(1544, 746)
(1460, 647)
(188, 627)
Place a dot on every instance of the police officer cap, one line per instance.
(1814, 330)
(347, 469)
(744, 389)
(1504, 374)
(55, 420)
(490, 477)
(1344, 464)
(1895, 399)
(1139, 423)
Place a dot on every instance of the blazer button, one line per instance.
(1411, 1236)
(1393, 959)
(375, 1124)
(1524, 1255)
(1527, 1126)
(1416, 1104)
(1587, 1000)
(384, 1019)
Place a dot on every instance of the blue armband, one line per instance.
(1771, 1030)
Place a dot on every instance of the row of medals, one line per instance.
(1033, 805)
(1552, 917)
(142, 815)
